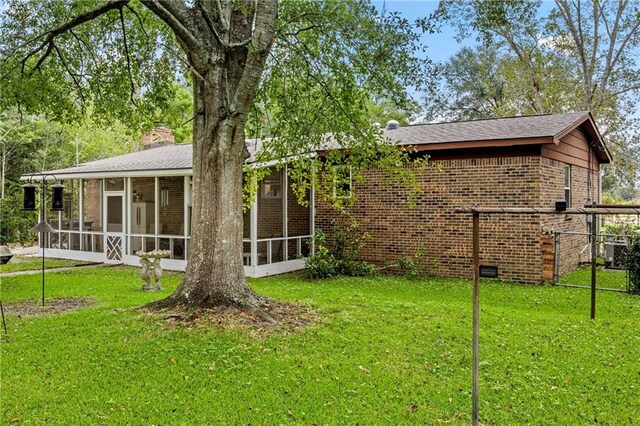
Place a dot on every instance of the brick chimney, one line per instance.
(158, 136)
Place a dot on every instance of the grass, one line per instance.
(605, 278)
(31, 263)
(389, 351)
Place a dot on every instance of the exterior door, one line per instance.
(114, 247)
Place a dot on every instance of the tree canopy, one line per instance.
(582, 56)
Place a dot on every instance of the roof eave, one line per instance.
(587, 118)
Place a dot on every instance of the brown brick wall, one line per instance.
(570, 246)
(511, 243)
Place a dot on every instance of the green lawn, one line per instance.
(605, 278)
(389, 351)
(23, 263)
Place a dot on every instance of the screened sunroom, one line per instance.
(116, 207)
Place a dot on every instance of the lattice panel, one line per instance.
(64, 241)
(55, 240)
(114, 247)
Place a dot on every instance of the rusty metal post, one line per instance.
(594, 259)
(476, 316)
(556, 258)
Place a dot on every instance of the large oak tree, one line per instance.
(581, 56)
(298, 70)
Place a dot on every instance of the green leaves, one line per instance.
(122, 64)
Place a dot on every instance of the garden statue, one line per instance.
(151, 269)
(157, 272)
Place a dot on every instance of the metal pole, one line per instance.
(476, 316)
(556, 258)
(594, 258)
(4, 323)
(44, 188)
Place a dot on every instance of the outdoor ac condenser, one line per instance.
(615, 253)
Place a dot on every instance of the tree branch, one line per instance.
(132, 10)
(263, 35)
(174, 15)
(68, 26)
(128, 57)
(73, 77)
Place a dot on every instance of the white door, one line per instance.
(114, 239)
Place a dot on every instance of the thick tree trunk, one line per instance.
(226, 72)
(215, 272)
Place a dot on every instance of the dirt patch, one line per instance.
(278, 317)
(27, 308)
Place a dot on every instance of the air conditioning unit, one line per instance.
(615, 254)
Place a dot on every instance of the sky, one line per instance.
(442, 45)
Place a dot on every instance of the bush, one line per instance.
(620, 228)
(321, 264)
(329, 262)
(633, 263)
(353, 268)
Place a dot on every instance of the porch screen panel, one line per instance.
(114, 184)
(71, 204)
(298, 224)
(70, 217)
(142, 219)
(171, 214)
(92, 205)
(171, 205)
(271, 218)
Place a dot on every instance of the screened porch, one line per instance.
(109, 219)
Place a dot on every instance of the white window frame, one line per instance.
(567, 184)
(268, 180)
(335, 183)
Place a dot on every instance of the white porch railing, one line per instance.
(277, 249)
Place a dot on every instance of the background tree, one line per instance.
(581, 56)
(32, 143)
(310, 63)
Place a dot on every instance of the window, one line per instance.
(272, 185)
(567, 184)
(342, 182)
(164, 198)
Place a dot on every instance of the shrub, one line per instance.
(340, 259)
(620, 228)
(321, 264)
(633, 263)
(354, 268)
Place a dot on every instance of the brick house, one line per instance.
(117, 206)
(516, 162)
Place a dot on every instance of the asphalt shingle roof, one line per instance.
(482, 130)
(179, 157)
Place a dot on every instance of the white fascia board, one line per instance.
(280, 161)
(114, 174)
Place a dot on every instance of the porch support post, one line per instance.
(253, 231)
(128, 197)
(156, 210)
(312, 213)
(81, 213)
(285, 214)
(185, 218)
